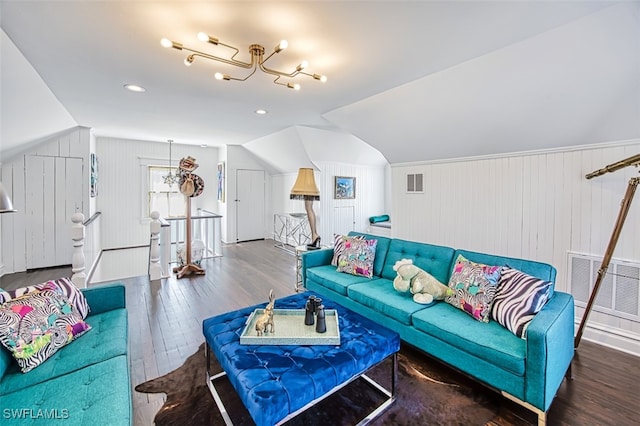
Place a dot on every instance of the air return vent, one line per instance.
(414, 183)
(619, 293)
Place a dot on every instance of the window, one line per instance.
(414, 183)
(167, 200)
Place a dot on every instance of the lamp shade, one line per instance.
(6, 206)
(305, 187)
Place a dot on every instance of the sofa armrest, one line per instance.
(549, 349)
(310, 259)
(105, 298)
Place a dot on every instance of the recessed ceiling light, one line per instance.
(203, 146)
(261, 111)
(135, 88)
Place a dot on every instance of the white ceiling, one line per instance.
(418, 80)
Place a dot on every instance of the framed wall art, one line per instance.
(94, 176)
(344, 188)
(220, 176)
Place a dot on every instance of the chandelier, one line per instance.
(170, 178)
(257, 60)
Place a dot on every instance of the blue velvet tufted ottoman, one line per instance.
(277, 382)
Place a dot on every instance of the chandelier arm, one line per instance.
(243, 79)
(233, 57)
(277, 73)
(219, 59)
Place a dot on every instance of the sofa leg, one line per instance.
(542, 418)
(542, 415)
(569, 373)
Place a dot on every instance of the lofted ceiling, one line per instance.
(416, 80)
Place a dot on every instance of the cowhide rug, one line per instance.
(427, 394)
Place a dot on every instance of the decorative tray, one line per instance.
(290, 329)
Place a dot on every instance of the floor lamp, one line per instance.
(305, 188)
(622, 215)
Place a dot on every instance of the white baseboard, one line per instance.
(611, 337)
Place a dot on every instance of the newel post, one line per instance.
(155, 270)
(77, 262)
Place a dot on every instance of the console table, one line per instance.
(291, 230)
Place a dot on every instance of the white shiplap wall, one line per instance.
(534, 205)
(369, 201)
(122, 188)
(73, 143)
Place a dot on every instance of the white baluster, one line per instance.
(155, 269)
(77, 261)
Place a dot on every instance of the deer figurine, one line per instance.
(266, 320)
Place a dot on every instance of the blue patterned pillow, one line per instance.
(357, 257)
(518, 299)
(35, 326)
(474, 287)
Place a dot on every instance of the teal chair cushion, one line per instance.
(106, 339)
(490, 341)
(99, 394)
(434, 259)
(328, 277)
(380, 296)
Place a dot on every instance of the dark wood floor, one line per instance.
(165, 327)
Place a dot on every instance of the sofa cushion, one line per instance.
(340, 244)
(357, 257)
(540, 270)
(433, 259)
(328, 277)
(518, 299)
(488, 341)
(380, 296)
(35, 326)
(107, 339)
(474, 287)
(99, 394)
(381, 250)
(61, 285)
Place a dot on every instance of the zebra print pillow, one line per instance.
(35, 326)
(340, 244)
(474, 287)
(518, 299)
(63, 286)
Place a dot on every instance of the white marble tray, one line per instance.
(290, 329)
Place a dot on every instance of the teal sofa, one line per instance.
(86, 382)
(528, 372)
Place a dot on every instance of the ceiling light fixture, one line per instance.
(170, 178)
(261, 111)
(135, 88)
(257, 60)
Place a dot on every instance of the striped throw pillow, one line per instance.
(518, 299)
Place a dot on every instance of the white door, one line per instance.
(344, 220)
(250, 205)
(53, 194)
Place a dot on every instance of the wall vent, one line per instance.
(415, 183)
(619, 293)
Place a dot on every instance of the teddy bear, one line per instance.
(424, 287)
